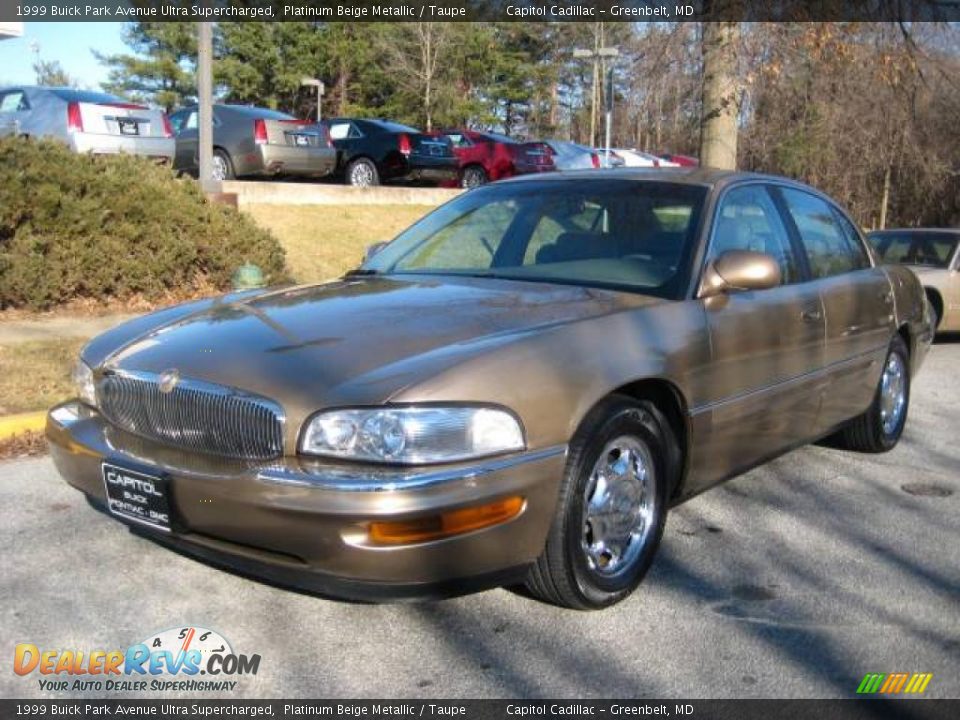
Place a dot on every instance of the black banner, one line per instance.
(874, 709)
(479, 10)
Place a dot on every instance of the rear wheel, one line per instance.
(362, 173)
(880, 427)
(936, 309)
(612, 507)
(474, 176)
(222, 168)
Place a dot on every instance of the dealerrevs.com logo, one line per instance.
(170, 660)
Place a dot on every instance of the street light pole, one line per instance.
(318, 84)
(599, 56)
(205, 105)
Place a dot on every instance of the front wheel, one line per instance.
(612, 507)
(473, 176)
(222, 167)
(880, 427)
(362, 173)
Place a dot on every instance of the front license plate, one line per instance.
(137, 496)
(128, 127)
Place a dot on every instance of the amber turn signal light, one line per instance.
(455, 522)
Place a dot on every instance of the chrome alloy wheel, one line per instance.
(219, 168)
(893, 393)
(619, 505)
(361, 175)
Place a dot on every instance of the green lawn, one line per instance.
(324, 241)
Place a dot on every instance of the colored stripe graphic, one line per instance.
(870, 683)
(894, 683)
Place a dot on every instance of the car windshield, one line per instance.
(392, 127)
(258, 112)
(624, 234)
(496, 137)
(85, 96)
(931, 249)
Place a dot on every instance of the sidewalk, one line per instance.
(55, 328)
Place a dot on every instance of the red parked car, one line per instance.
(682, 160)
(486, 156)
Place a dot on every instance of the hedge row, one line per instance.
(75, 226)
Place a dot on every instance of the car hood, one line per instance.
(356, 341)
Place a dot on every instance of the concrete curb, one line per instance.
(25, 422)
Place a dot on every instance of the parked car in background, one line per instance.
(934, 255)
(376, 151)
(569, 155)
(486, 156)
(90, 122)
(638, 158)
(517, 388)
(615, 159)
(681, 160)
(255, 142)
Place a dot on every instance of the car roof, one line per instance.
(683, 175)
(916, 231)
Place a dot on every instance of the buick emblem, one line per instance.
(168, 380)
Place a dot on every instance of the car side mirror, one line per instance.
(373, 249)
(739, 270)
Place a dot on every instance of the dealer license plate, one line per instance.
(128, 127)
(137, 496)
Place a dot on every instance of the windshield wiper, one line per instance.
(361, 272)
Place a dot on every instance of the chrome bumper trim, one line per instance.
(367, 479)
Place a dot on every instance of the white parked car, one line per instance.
(638, 158)
(90, 122)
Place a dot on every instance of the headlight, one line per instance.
(409, 435)
(83, 382)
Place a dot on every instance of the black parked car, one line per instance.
(373, 151)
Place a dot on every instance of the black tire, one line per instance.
(473, 176)
(866, 433)
(362, 172)
(222, 157)
(935, 309)
(562, 575)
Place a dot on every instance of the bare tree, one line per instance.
(721, 96)
(417, 53)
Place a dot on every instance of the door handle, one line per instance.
(811, 315)
(886, 297)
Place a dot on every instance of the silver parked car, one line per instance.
(91, 122)
(251, 141)
(574, 156)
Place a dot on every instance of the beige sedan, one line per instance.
(934, 255)
(515, 389)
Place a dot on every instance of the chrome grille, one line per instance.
(194, 415)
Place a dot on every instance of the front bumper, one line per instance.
(303, 523)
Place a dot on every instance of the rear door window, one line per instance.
(343, 131)
(829, 249)
(13, 101)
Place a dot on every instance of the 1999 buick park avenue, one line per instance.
(515, 389)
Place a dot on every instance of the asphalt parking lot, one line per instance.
(792, 581)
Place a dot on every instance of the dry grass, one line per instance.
(36, 375)
(28, 444)
(324, 241)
